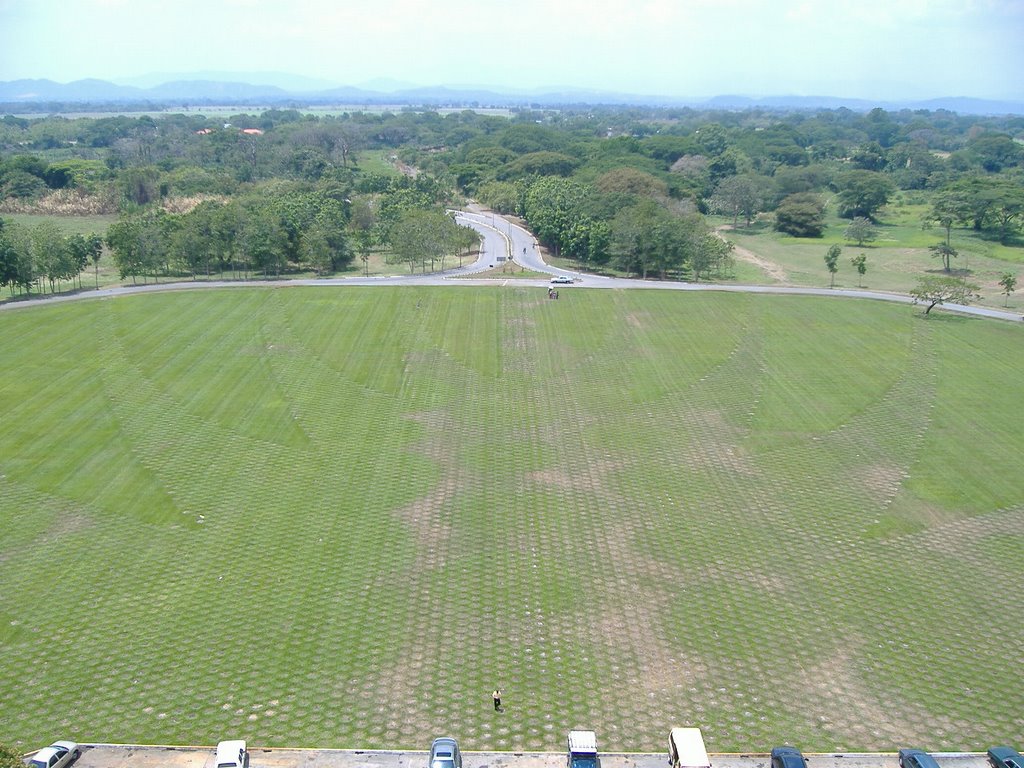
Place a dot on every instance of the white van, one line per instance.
(686, 749)
(232, 754)
(582, 749)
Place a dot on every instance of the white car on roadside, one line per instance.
(57, 755)
(232, 754)
(561, 280)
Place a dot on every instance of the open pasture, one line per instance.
(341, 517)
(896, 260)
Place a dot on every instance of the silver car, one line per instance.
(444, 753)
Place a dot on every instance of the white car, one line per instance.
(232, 754)
(561, 280)
(57, 755)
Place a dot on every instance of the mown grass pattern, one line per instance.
(342, 517)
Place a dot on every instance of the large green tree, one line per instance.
(14, 256)
(554, 209)
(944, 253)
(968, 200)
(625, 183)
(934, 290)
(140, 244)
(203, 239)
(86, 248)
(263, 238)
(647, 238)
(949, 207)
(1008, 206)
(363, 223)
(17, 267)
(861, 231)
(538, 164)
(996, 151)
(801, 215)
(423, 236)
(50, 252)
(863, 193)
(709, 254)
(744, 195)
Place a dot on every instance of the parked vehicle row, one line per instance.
(685, 750)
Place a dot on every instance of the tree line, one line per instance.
(40, 256)
(611, 188)
(270, 231)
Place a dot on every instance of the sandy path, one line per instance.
(770, 268)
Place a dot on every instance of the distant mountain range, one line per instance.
(275, 89)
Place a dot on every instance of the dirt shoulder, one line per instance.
(770, 268)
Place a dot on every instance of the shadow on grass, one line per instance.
(1010, 239)
(937, 315)
(755, 228)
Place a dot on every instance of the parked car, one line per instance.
(444, 753)
(916, 758)
(788, 757)
(686, 749)
(1005, 757)
(561, 280)
(582, 749)
(232, 754)
(57, 755)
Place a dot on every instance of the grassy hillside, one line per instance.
(343, 516)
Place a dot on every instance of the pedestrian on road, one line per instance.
(497, 699)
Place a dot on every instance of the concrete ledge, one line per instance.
(169, 756)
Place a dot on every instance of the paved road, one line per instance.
(127, 756)
(502, 237)
(526, 251)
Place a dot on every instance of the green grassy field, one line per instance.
(69, 225)
(376, 161)
(895, 260)
(341, 517)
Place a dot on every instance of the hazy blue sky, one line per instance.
(877, 49)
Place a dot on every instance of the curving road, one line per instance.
(525, 251)
(502, 237)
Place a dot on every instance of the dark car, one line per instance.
(1005, 757)
(787, 757)
(444, 753)
(916, 758)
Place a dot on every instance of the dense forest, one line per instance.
(621, 189)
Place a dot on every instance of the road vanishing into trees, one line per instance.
(502, 240)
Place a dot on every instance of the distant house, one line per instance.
(252, 131)
(204, 131)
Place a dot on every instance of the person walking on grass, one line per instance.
(497, 699)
